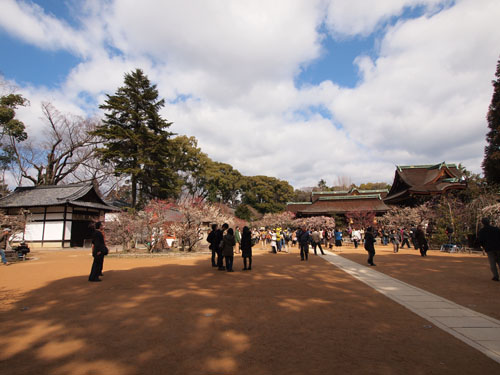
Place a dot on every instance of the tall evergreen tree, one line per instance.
(11, 129)
(136, 140)
(491, 162)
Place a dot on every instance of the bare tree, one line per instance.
(343, 183)
(64, 153)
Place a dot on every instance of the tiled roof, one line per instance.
(328, 205)
(341, 206)
(424, 179)
(53, 195)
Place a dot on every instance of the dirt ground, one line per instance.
(462, 278)
(178, 315)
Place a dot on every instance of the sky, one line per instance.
(301, 90)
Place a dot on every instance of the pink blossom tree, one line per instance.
(318, 222)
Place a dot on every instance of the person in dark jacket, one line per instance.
(369, 245)
(304, 239)
(421, 241)
(394, 238)
(246, 248)
(489, 238)
(99, 250)
(228, 249)
(405, 238)
(219, 236)
(212, 240)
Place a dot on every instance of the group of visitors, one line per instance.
(222, 242)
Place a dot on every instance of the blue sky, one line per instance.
(357, 90)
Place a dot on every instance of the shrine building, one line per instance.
(412, 183)
(60, 214)
(330, 203)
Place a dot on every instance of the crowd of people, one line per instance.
(225, 241)
(222, 243)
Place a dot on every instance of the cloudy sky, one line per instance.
(301, 90)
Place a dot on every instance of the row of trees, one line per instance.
(131, 154)
(183, 220)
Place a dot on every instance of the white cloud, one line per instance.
(422, 99)
(428, 91)
(237, 43)
(30, 23)
(347, 18)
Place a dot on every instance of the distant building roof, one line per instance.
(340, 202)
(423, 180)
(81, 195)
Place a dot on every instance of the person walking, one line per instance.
(246, 248)
(263, 239)
(385, 236)
(489, 238)
(273, 243)
(316, 241)
(277, 231)
(212, 240)
(356, 237)
(394, 238)
(304, 238)
(369, 245)
(228, 249)
(99, 250)
(338, 238)
(421, 241)
(405, 238)
(4, 239)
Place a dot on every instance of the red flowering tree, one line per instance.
(185, 220)
(282, 219)
(123, 229)
(360, 219)
(318, 222)
(196, 214)
(398, 217)
(153, 224)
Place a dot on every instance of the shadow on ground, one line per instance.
(283, 317)
(462, 278)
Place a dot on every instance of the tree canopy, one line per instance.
(266, 194)
(491, 161)
(135, 138)
(12, 130)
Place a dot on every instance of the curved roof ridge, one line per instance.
(78, 194)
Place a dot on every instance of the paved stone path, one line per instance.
(475, 329)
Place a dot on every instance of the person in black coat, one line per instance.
(369, 245)
(246, 248)
(304, 238)
(99, 250)
(212, 240)
(219, 236)
(489, 238)
(421, 241)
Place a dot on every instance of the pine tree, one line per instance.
(11, 129)
(491, 162)
(136, 140)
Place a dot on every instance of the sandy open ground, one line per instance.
(178, 315)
